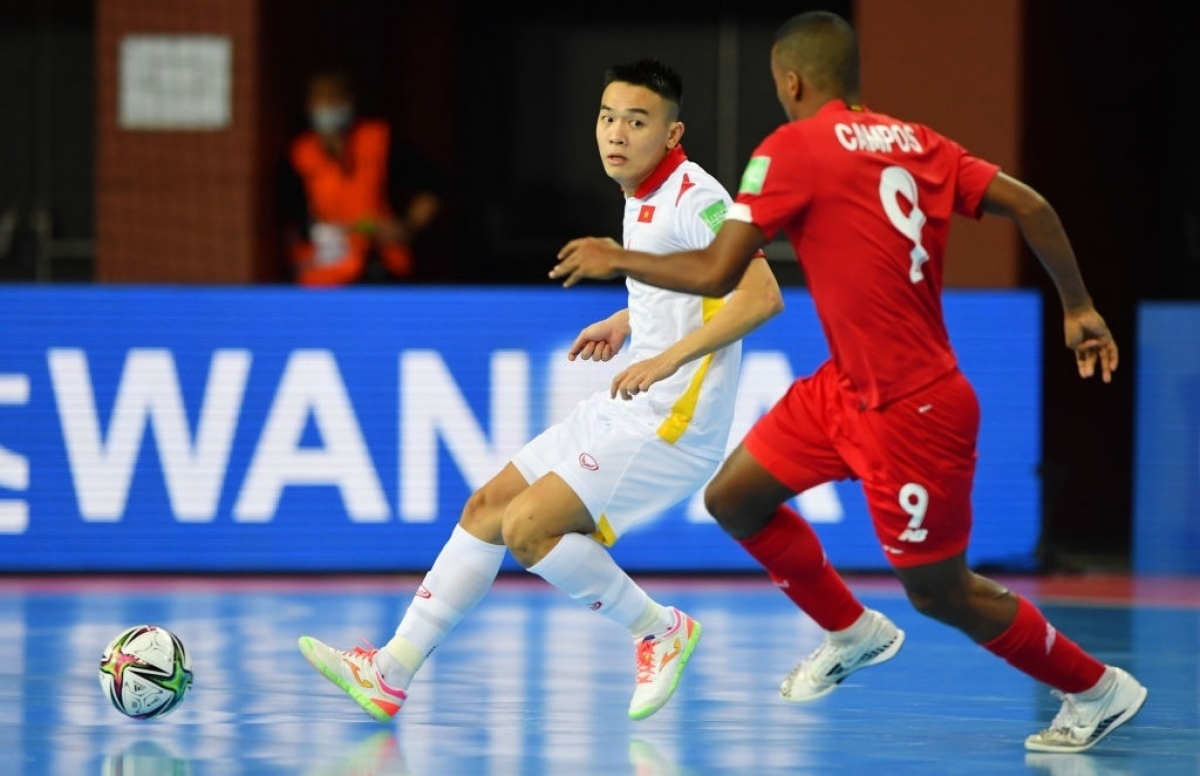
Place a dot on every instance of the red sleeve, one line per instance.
(974, 177)
(776, 185)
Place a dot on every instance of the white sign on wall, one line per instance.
(175, 82)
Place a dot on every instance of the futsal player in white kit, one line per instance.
(622, 455)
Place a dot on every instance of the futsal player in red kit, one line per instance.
(866, 201)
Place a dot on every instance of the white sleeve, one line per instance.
(700, 214)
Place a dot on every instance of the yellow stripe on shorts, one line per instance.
(604, 532)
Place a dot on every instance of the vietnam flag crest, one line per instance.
(646, 214)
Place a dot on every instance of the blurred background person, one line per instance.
(351, 198)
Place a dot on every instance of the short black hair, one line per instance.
(824, 47)
(650, 74)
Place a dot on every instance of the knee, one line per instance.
(731, 511)
(947, 604)
(522, 534)
(482, 515)
(721, 502)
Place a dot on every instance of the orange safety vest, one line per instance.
(351, 199)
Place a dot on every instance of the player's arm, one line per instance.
(1039, 224)
(754, 301)
(1085, 330)
(711, 271)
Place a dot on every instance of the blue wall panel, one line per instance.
(1167, 458)
(280, 429)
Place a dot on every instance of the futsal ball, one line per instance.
(145, 671)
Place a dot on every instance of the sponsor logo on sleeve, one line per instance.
(755, 175)
(714, 215)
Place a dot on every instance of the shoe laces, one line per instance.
(818, 664)
(645, 660)
(1067, 716)
(366, 650)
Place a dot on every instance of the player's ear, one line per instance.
(795, 85)
(675, 134)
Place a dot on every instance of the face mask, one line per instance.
(326, 121)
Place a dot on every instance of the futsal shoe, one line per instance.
(356, 674)
(1082, 722)
(821, 672)
(660, 662)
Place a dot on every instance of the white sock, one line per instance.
(460, 577)
(857, 631)
(584, 570)
(1099, 688)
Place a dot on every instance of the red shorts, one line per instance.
(915, 457)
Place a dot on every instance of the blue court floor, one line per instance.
(531, 684)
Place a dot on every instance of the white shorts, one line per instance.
(616, 463)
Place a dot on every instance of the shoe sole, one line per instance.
(307, 649)
(882, 657)
(684, 656)
(1129, 713)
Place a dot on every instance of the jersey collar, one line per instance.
(840, 104)
(668, 165)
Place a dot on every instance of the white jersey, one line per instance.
(629, 460)
(680, 207)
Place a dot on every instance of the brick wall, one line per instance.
(177, 206)
(957, 68)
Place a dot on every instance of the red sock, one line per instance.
(790, 551)
(1032, 645)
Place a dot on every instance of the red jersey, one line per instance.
(866, 202)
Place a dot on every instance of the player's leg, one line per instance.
(788, 451)
(749, 503)
(1096, 698)
(546, 529)
(550, 532)
(920, 504)
(628, 477)
(460, 577)
(576, 472)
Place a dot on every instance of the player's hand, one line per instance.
(598, 342)
(637, 378)
(1087, 334)
(586, 257)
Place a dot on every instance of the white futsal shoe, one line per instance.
(1081, 724)
(660, 662)
(357, 675)
(821, 672)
